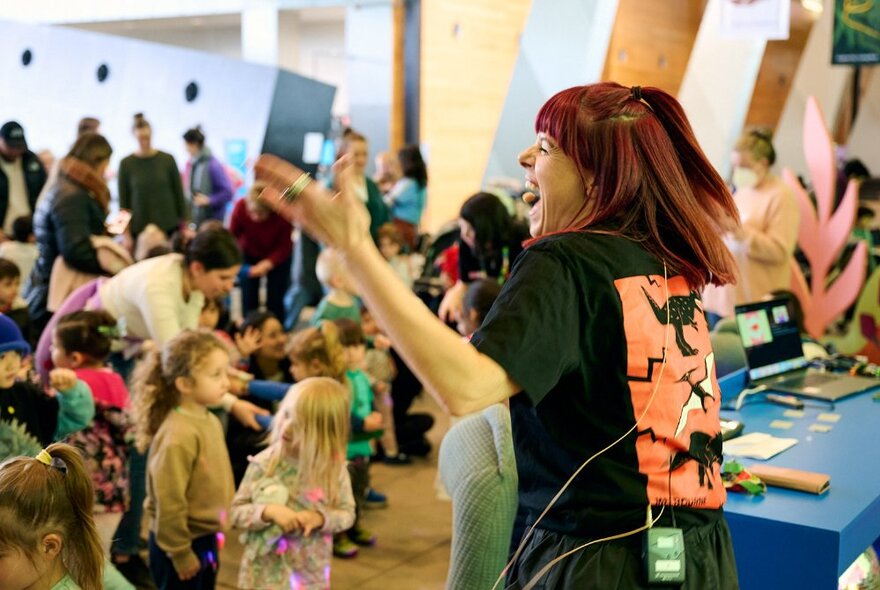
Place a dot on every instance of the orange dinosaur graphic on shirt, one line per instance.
(676, 403)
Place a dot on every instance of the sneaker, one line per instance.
(343, 547)
(398, 459)
(362, 537)
(135, 570)
(374, 499)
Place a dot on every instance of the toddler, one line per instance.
(189, 477)
(340, 300)
(297, 492)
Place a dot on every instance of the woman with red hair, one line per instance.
(598, 338)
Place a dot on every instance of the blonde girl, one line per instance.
(174, 388)
(47, 536)
(297, 492)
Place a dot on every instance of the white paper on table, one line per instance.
(757, 445)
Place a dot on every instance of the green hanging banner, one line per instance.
(856, 32)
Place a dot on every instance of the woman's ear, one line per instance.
(196, 268)
(50, 546)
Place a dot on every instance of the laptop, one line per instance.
(775, 357)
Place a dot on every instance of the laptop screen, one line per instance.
(770, 337)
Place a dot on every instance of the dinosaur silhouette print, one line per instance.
(705, 450)
(699, 392)
(681, 311)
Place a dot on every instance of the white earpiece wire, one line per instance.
(528, 534)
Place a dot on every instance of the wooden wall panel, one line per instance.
(778, 67)
(469, 49)
(397, 123)
(652, 41)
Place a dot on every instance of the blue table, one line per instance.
(789, 539)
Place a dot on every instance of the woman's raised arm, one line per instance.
(464, 379)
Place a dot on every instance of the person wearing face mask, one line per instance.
(764, 242)
(596, 338)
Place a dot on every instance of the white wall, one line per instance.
(224, 40)
(49, 96)
(312, 48)
(321, 56)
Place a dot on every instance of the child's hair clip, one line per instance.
(48, 460)
(109, 331)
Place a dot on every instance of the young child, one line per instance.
(189, 477)
(82, 341)
(209, 319)
(297, 492)
(11, 302)
(380, 368)
(48, 538)
(478, 300)
(366, 424)
(391, 245)
(340, 300)
(22, 248)
(39, 418)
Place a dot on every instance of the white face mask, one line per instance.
(744, 177)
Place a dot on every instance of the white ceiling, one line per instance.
(213, 21)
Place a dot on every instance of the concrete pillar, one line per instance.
(815, 77)
(369, 53)
(718, 86)
(289, 40)
(564, 45)
(259, 33)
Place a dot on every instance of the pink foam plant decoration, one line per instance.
(824, 231)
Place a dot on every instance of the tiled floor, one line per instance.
(414, 532)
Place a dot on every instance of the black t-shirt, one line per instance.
(580, 326)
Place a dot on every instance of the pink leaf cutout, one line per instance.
(819, 152)
(824, 232)
(840, 294)
(809, 227)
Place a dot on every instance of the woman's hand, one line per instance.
(246, 413)
(201, 200)
(340, 221)
(261, 269)
(453, 303)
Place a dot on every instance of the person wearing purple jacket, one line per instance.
(207, 183)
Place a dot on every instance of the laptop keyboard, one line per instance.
(809, 380)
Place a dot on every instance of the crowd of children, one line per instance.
(301, 488)
(125, 406)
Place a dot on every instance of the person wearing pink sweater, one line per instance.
(764, 244)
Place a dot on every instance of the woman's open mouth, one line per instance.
(532, 194)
